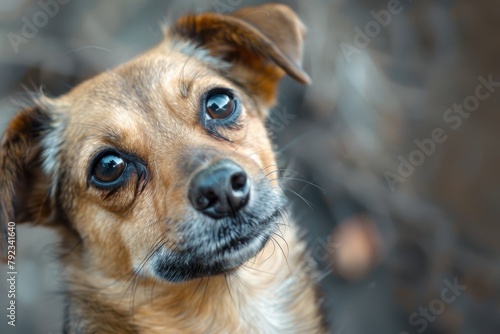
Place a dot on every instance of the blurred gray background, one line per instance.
(385, 75)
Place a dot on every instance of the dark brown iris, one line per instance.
(220, 106)
(109, 168)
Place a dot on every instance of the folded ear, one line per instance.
(262, 43)
(23, 187)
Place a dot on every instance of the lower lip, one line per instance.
(235, 245)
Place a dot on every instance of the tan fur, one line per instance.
(146, 107)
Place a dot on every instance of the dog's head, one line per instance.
(161, 166)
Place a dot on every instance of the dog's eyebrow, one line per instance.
(185, 88)
(109, 136)
(112, 136)
(186, 83)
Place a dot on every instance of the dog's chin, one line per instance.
(216, 257)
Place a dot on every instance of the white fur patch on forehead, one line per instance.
(190, 49)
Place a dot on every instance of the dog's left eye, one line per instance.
(112, 169)
(109, 168)
(220, 105)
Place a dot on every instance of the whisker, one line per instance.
(135, 273)
(286, 243)
(284, 255)
(300, 180)
(229, 291)
(204, 292)
(197, 286)
(297, 194)
(258, 270)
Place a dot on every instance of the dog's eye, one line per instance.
(220, 105)
(109, 168)
(220, 110)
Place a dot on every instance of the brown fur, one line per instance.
(148, 107)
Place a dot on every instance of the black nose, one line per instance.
(220, 190)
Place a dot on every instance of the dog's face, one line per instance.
(162, 166)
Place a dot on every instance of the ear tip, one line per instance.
(306, 79)
(300, 75)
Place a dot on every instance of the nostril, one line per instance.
(238, 181)
(210, 194)
(206, 198)
(202, 202)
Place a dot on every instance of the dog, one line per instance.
(161, 180)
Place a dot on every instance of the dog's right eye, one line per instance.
(108, 168)
(220, 110)
(220, 105)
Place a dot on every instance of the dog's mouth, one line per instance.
(236, 244)
(230, 249)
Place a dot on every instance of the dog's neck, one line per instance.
(273, 291)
